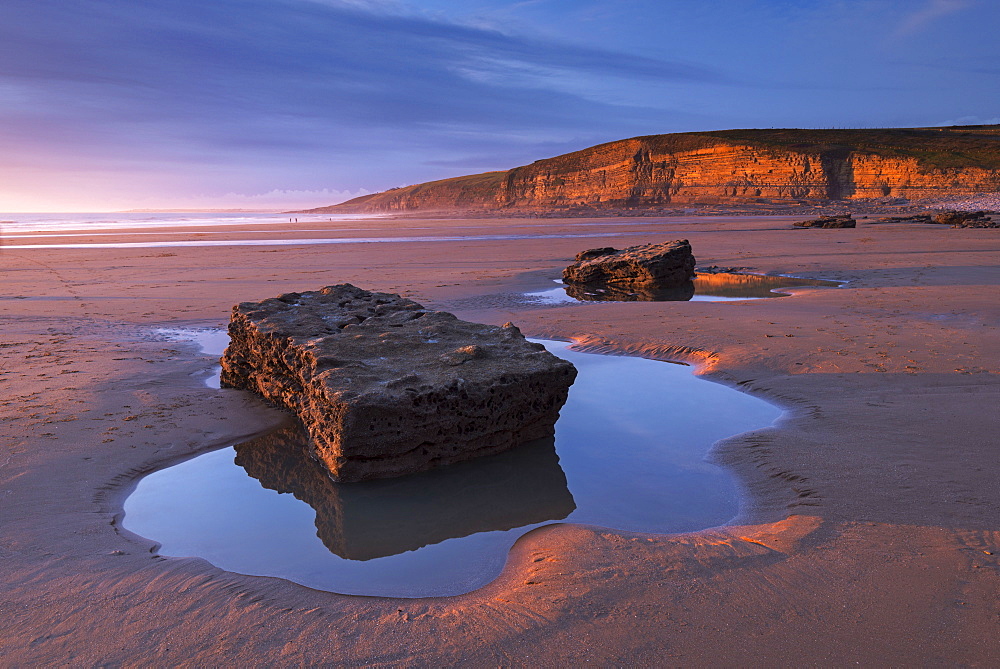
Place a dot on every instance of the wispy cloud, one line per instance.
(926, 16)
(230, 97)
(184, 81)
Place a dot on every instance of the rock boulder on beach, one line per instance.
(667, 265)
(838, 221)
(965, 219)
(385, 387)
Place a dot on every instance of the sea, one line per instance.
(159, 230)
(12, 224)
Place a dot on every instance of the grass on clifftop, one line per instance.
(941, 148)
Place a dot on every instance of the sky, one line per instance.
(118, 104)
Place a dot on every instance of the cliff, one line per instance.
(724, 167)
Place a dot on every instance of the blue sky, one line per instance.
(113, 104)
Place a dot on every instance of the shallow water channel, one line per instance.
(629, 453)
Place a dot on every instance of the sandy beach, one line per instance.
(870, 533)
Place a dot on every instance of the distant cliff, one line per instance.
(724, 167)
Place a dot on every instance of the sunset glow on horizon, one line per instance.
(289, 104)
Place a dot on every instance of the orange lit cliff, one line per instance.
(725, 167)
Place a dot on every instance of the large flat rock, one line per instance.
(385, 387)
(667, 265)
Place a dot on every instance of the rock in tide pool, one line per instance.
(667, 265)
(385, 387)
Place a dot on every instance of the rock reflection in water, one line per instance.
(610, 293)
(722, 285)
(752, 285)
(373, 519)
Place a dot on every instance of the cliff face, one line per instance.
(637, 172)
(726, 167)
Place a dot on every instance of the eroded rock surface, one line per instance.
(661, 266)
(385, 387)
(839, 221)
(965, 219)
(915, 218)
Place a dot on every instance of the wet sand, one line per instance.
(872, 531)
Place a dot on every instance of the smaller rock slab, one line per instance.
(915, 218)
(965, 219)
(838, 221)
(385, 387)
(667, 265)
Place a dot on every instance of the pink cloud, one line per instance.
(926, 16)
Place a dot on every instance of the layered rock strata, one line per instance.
(385, 387)
(735, 167)
(373, 519)
(840, 221)
(636, 268)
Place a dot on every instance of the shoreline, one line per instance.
(861, 207)
(877, 501)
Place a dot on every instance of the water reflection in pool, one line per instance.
(706, 287)
(375, 519)
(628, 454)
